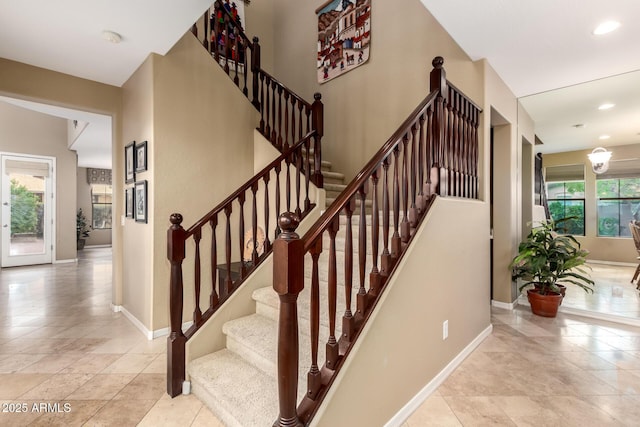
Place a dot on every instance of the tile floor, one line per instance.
(60, 344)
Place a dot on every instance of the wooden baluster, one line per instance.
(457, 141)
(385, 259)
(332, 344)
(396, 241)
(464, 148)
(214, 299)
(314, 379)
(254, 223)
(274, 117)
(293, 119)
(267, 133)
(300, 127)
(245, 69)
(287, 184)
(215, 39)
(235, 54)
(348, 321)
(307, 111)
(197, 313)
(476, 152)
(405, 227)
(429, 153)
(288, 282)
(317, 123)
(267, 242)
(228, 283)
(227, 43)
(286, 121)
(205, 36)
(362, 305)
(298, 172)
(262, 105)
(451, 129)
(176, 340)
(255, 70)
(241, 200)
(420, 200)
(307, 175)
(278, 211)
(280, 118)
(413, 211)
(375, 280)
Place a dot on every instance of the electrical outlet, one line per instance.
(445, 329)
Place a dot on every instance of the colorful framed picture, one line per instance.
(141, 157)
(129, 203)
(140, 201)
(344, 36)
(129, 163)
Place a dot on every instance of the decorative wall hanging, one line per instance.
(129, 202)
(344, 34)
(129, 163)
(140, 201)
(141, 157)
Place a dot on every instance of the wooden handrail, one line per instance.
(434, 151)
(229, 270)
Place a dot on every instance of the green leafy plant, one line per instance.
(24, 216)
(546, 259)
(82, 227)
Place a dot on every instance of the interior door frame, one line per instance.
(52, 204)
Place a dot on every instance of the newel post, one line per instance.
(255, 70)
(176, 340)
(317, 122)
(288, 282)
(438, 81)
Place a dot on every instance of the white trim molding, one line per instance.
(504, 305)
(403, 414)
(151, 335)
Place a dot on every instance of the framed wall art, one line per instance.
(141, 156)
(129, 163)
(128, 202)
(344, 35)
(140, 201)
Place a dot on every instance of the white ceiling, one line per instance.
(545, 48)
(535, 46)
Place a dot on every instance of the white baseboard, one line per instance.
(65, 261)
(96, 246)
(504, 305)
(138, 324)
(403, 414)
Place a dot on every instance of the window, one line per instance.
(101, 206)
(618, 204)
(566, 200)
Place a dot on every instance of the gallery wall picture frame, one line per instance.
(129, 163)
(141, 157)
(129, 202)
(140, 201)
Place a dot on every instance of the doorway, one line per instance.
(28, 203)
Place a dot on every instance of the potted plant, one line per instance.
(82, 229)
(545, 261)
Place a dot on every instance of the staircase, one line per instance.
(239, 383)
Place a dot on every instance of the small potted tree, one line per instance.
(545, 261)
(82, 229)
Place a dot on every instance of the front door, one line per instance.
(27, 210)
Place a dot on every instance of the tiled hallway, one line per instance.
(60, 343)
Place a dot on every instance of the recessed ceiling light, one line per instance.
(606, 106)
(111, 36)
(578, 125)
(604, 137)
(606, 27)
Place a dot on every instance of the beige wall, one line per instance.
(259, 22)
(202, 149)
(40, 85)
(83, 195)
(614, 249)
(402, 349)
(366, 105)
(28, 132)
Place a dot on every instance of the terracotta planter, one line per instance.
(563, 290)
(544, 305)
